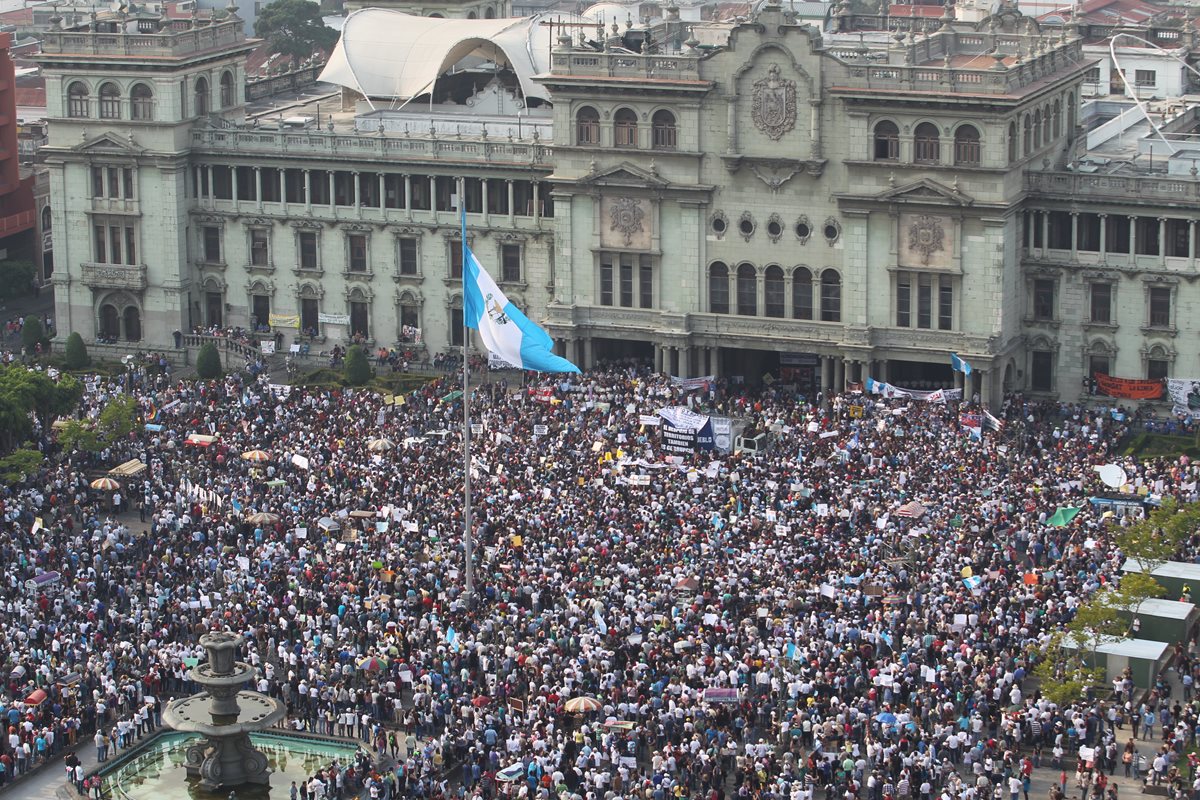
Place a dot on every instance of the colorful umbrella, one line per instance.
(481, 701)
(1062, 517)
(380, 445)
(582, 705)
(262, 518)
(372, 663)
(105, 484)
(256, 456)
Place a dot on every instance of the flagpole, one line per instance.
(469, 571)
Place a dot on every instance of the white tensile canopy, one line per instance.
(390, 54)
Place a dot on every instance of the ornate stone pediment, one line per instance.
(625, 174)
(109, 144)
(927, 191)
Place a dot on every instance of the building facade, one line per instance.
(813, 210)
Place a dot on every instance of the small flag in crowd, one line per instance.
(959, 365)
(991, 423)
(452, 638)
(236, 505)
(601, 625)
(972, 582)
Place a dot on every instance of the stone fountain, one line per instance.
(225, 716)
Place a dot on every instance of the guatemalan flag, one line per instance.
(505, 331)
(959, 365)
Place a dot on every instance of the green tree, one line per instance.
(32, 332)
(25, 391)
(116, 420)
(16, 278)
(1063, 677)
(19, 465)
(294, 28)
(357, 368)
(80, 436)
(208, 362)
(76, 352)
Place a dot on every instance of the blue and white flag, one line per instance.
(236, 505)
(958, 365)
(601, 625)
(973, 582)
(452, 638)
(505, 331)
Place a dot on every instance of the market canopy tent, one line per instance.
(130, 469)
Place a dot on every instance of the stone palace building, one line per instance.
(748, 199)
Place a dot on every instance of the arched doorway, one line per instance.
(133, 324)
(110, 327)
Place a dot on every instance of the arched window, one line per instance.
(625, 127)
(141, 98)
(201, 104)
(966, 146)
(133, 324)
(1057, 118)
(831, 296)
(1027, 136)
(489, 13)
(110, 326)
(663, 124)
(472, 15)
(77, 101)
(110, 101)
(773, 291)
(227, 90)
(1012, 141)
(802, 293)
(747, 290)
(887, 141)
(718, 288)
(1037, 129)
(47, 219)
(1070, 112)
(1046, 116)
(587, 126)
(926, 144)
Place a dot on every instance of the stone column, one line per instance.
(382, 190)
(484, 208)
(1103, 237)
(1133, 240)
(332, 197)
(258, 187)
(685, 362)
(588, 353)
(357, 194)
(537, 206)
(985, 388)
(511, 195)
(233, 182)
(408, 209)
(839, 375)
(283, 186)
(826, 374)
(1192, 241)
(1045, 232)
(1162, 241)
(1074, 235)
(308, 190)
(433, 196)
(212, 187)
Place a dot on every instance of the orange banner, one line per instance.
(1128, 389)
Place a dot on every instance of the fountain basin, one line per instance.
(255, 712)
(155, 770)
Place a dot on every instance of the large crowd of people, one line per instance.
(851, 611)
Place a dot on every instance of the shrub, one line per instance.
(208, 362)
(357, 368)
(76, 354)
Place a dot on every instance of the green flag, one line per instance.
(1062, 517)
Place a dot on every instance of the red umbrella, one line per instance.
(481, 701)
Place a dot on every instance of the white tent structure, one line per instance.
(390, 54)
